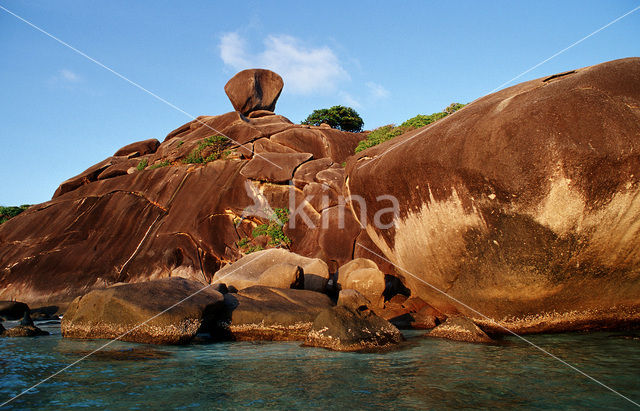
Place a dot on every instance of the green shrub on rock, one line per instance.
(340, 117)
(384, 133)
(7, 213)
(211, 148)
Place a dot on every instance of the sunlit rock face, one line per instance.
(524, 205)
(182, 207)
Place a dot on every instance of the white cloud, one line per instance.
(233, 51)
(304, 70)
(69, 76)
(377, 91)
(349, 100)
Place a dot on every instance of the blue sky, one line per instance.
(61, 113)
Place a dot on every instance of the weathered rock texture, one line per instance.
(113, 223)
(275, 267)
(267, 313)
(166, 311)
(460, 329)
(23, 331)
(363, 276)
(254, 90)
(345, 328)
(523, 205)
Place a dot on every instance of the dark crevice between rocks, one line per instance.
(555, 76)
(393, 287)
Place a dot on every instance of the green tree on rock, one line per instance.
(340, 117)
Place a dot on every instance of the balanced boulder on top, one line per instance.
(254, 89)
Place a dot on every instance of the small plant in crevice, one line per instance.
(210, 149)
(273, 228)
(253, 248)
(142, 164)
(269, 234)
(159, 165)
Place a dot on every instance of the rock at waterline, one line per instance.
(460, 329)
(268, 313)
(524, 204)
(120, 311)
(352, 327)
(26, 328)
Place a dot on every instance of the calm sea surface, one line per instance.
(424, 373)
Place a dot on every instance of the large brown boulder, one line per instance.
(179, 216)
(139, 148)
(254, 89)
(275, 267)
(274, 167)
(363, 276)
(345, 328)
(166, 311)
(522, 205)
(268, 313)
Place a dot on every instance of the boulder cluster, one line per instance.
(521, 206)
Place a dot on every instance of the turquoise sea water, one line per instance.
(424, 373)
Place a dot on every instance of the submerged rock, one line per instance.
(166, 311)
(460, 329)
(24, 331)
(267, 313)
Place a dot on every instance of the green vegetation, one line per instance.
(158, 165)
(180, 143)
(142, 164)
(273, 228)
(384, 133)
(212, 146)
(7, 213)
(340, 117)
(253, 248)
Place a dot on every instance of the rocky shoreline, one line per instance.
(522, 205)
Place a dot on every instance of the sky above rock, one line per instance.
(62, 112)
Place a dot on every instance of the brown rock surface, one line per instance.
(275, 268)
(460, 329)
(363, 275)
(140, 147)
(113, 223)
(267, 313)
(274, 167)
(522, 205)
(306, 173)
(23, 331)
(342, 328)
(167, 311)
(254, 89)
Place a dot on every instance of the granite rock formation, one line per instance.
(523, 205)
